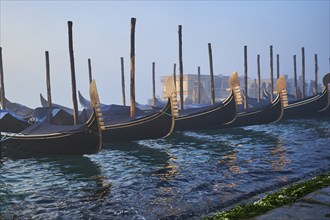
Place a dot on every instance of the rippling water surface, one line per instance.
(185, 176)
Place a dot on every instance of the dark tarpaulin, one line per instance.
(46, 128)
(54, 115)
(11, 123)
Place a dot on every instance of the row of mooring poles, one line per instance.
(278, 74)
(199, 82)
(73, 78)
(245, 73)
(132, 72)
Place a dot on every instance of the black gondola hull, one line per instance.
(157, 125)
(85, 140)
(263, 115)
(308, 107)
(213, 117)
(64, 144)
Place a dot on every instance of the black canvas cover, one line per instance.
(51, 115)
(9, 122)
(18, 109)
(116, 114)
(46, 128)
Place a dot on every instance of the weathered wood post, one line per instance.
(90, 70)
(316, 73)
(259, 80)
(278, 65)
(211, 74)
(153, 85)
(49, 95)
(73, 75)
(271, 74)
(2, 84)
(199, 85)
(123, 81)
(132, 59)
(245, 78)
(295, 76)
(181, 66)
(303, 72)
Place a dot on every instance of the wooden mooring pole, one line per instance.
(303, 72)
(73, 75)
(123, 81)
(211, 74)
(245, 78)
(259, 80)
(153, 85)
(271, 74)
(2, 84)
(49, 95)
(181, 66)
(278, 65)
(90, 70)
(199, 85)
(316, 73)
(132, 66)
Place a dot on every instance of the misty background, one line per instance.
(101, 32)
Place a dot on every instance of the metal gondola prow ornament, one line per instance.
(234, 85)
(326, 84)
(281, 90)
(171, 93)
(95, 103)
(326, 80)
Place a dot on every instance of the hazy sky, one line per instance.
(101, 32)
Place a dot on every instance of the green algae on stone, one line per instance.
(285, 196)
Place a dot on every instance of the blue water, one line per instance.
(185, 176)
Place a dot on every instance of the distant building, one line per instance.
(190, 87)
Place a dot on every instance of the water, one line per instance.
(185, 176)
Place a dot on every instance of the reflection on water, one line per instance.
(184, 176)
(279, 159)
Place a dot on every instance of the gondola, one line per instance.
(270, 113)
(210, 117)
(311, 106)
(157, 124)
(45, 138)
(119, 126)
(153, 126)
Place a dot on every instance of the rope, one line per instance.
(5, 137)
